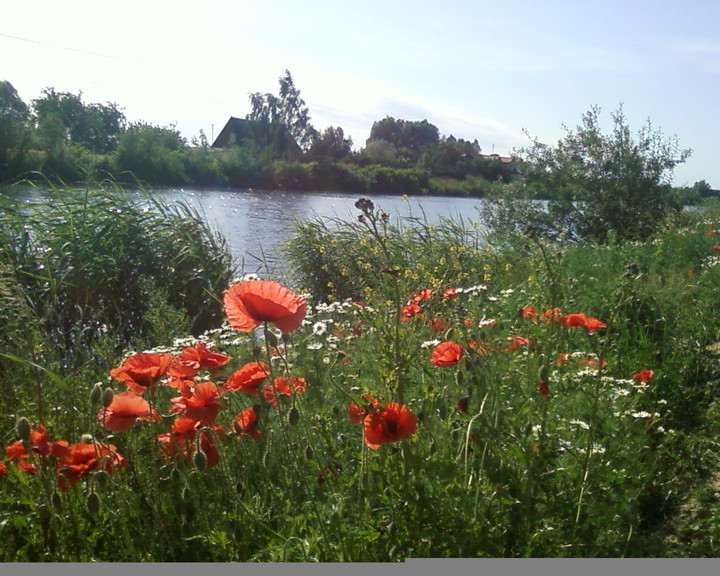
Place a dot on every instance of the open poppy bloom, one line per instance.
(124, 410)
(40, 445)
(246, 422)
(83, 458)
(248, 378)
(644, 376)
(424, 294)
(446, 354)
(140, 371)
(182, 440)
(410, 311)
(200, 403)
(250, 303)
(581, 320)
(517, 343)
(284, 386)
(192, 359)
(392, 423)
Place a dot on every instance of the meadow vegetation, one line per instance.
(407, 390)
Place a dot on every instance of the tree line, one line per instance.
(62, 137)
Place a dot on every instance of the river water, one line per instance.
(257, 222)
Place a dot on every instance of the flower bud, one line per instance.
(96, 393)
(93, 503)
(22, 427)
(200, 460)
(56, 501)
(107, 397)
(293, 416)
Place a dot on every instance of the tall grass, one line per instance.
(543, 439)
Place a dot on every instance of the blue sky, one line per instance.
(476, 69)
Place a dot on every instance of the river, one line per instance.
(256, 222)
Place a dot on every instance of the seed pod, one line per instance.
(22, 427)
(93, 503)
(56, 501)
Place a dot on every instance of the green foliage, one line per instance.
(15, 134)
(598, 185)
(150, 154)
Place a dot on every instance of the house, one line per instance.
(238, 129)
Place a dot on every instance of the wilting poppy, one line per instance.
(250, 303)
(248, 378)
(83, 458)
(124, 410)
(246, 422)
(142, 370)
(392, 423)
(644, 376)
(200, 403)
(446, 354)
(462, 404)
(192, 359)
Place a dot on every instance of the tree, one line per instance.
(151, 154)
(63, 118)
(598, 184)
(286, 111)
(410, 134)
(15, 134)
(332, 144)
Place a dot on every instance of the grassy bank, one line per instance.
(439, 393)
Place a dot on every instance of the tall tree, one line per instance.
(15, 134)
(287, 110)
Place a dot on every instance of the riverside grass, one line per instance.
(542, 439)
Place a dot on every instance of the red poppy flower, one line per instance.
(644, 376)
(424, 294)
(3, 468)
(124, 410)
(246, 422)
(192, 359)
(248, 377)
(716, 247)
(40, 445)
(446, 354)
(562, 359)
(544, 389)
(450, 293)
(392, 423)
(517, 343)
(528, 312)
(581, 320)
(200, 403)
(552, 314)
(182, 441)
(142, 370)
(462, 404)
(409, 311)
(437, 325)
(281, 385)
(249, 304)
(356, 413)
(83, 458)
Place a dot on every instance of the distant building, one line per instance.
(238, 129)
(503, 159)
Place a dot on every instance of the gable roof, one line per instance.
(238, 129)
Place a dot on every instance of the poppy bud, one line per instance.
(22, 427)
(93, 503)
(107, 397)
(309, 452)
(86, 438)
(293, 416)
(543, 373)
(96, 393)
(271, 338)
(101, 477)
(200, 460)
(56, 501)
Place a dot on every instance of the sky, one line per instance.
(497, 71)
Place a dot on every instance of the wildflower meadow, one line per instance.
(405, 391)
